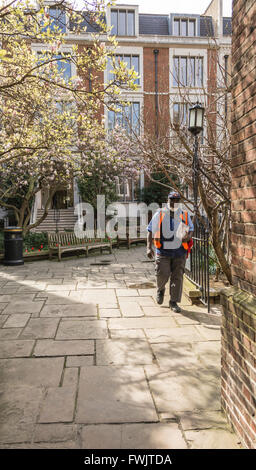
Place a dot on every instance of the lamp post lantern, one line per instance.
(196, 118)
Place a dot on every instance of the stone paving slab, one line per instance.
(75, 310)
(145, 322)
(180, 390)
(9, 290)
(130, 309)
(2, 305)
(58, 406)
(133, 436)
(109, 312)
(203, 420)
(92, 285)
(23, 306)
(187, 334)
(55, 432)
(210, 333)
(59, 288)
(94, 329)
(94, 296)
(40, 328)
(138, 333)
(47, 347)
(17, 320)
(10, 333)
(208, 353)
(154, 311)
(31, 371)
(16, 348)
(143, 301)
(80, 361)
(57, 298)
(3, 319)
(70, 378)
(125, 396)
(212, 439)
(127, 293)
(20, 298)
(123, 351)
(19, 409)
(173, 355)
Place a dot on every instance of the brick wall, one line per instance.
(238, 375)
(238, 395)
(244, 145)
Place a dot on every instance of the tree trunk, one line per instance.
(218, 249)
(39, 221)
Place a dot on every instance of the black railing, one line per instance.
(197, 269)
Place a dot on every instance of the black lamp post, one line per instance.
(196, 118)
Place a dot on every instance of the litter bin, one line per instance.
(13, 246)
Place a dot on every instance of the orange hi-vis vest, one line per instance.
(157, 236)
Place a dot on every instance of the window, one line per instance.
(128, 117)
(123, 22)
(63, 64)
(130, 60)
(184, 27)
(122, 187)
(58, 18)
(188, 71)
(180, 113)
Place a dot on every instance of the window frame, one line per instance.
(188, 20)
(122, 56)
(63, 28)
(130, 119)
(126, 11)
(196, 60)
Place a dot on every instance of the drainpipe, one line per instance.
(156, 52)
(226, 84)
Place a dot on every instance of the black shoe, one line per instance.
(160, 296)
(175, 307)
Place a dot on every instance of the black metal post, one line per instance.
(195, 177)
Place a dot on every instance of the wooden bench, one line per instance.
(65, 241)
(129, 240)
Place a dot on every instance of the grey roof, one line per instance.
(158, 25)
(153, 24)
(227, 26)
(206, 26)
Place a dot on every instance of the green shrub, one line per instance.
(35, 241)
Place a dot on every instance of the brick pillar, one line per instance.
(239, 303)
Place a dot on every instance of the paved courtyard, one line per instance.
(89, 360)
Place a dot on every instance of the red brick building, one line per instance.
(168, 52)
(239, 303)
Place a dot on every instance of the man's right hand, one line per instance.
(150, 253)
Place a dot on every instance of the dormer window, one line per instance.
(123, 22)
(184, 27)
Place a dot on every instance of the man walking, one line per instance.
(171, 229)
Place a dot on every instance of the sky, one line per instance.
(176, 6)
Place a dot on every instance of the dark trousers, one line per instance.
(170, 268)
